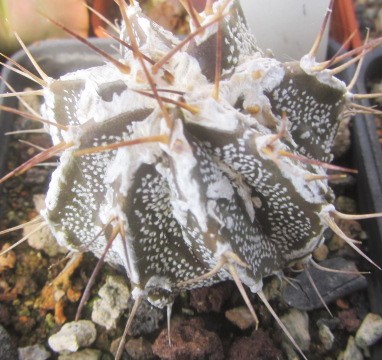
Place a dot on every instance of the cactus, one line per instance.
(186, 163)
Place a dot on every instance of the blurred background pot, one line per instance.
(25, 18)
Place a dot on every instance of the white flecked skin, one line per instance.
(219, 184)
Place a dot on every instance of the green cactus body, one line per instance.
(209, 182)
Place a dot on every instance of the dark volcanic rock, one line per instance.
(206, 299)
(189, 341)
(258, 346)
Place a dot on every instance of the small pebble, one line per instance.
(370, 331)
(113, 301)
(272, 288)
(8, 260)
(115, 345)
(241, 317)
(146, 320)
(290, 351)
(352, 352)
(331, 323)
(86, 354)
(326, 336)
(135, 349)
(352, 228)
(34, 352)
(342, 304)
(297, 323)
(336, 243)
(73, 335)
(349, 320)
(321, 253)
(346, 205)
(139, 349)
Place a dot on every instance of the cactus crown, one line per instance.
(187, 174)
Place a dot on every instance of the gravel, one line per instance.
(73, 335)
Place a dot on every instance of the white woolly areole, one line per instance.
(214, 115)
(267, 72)
(155, 36)
(308, 64)
(187, 73)
(207, 18)
(251, 80)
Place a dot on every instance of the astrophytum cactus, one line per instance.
(186, 163)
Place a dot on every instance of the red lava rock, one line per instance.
(189, 342)
(349, 320)
(258, 346)
(207, 299)
(342, 304)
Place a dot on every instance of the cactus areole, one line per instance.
(182, 165)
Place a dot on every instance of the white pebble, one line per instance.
(86, 354)
(297, 323)
(352, 352)
(370, 331)
(326, 336)
(34, 352)
(114, 296)
(73, 335)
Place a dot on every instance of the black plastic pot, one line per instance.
(56, 58)
(368, 159)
